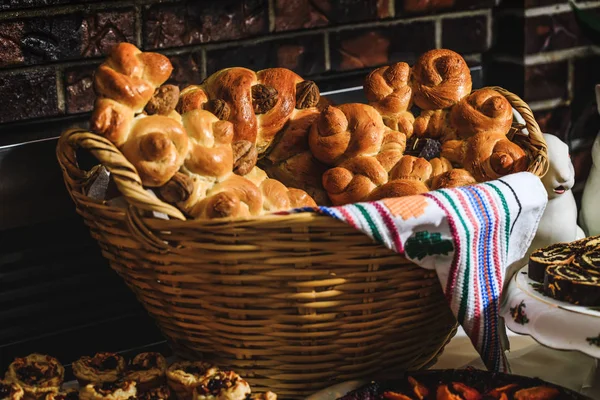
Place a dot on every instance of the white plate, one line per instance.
(556, 324)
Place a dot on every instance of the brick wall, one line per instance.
(48, 53)
(541, 53)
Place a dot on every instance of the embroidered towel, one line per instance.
(469, 235)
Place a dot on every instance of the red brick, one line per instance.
(465, 35)
(552, 32)
(28, 94)
(79, 91)
(546, 81)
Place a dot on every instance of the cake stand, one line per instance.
(553, 323)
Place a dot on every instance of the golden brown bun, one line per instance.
(434, 124)
(439, 166)
(277, 197)
(411, 168)
(157, 147)
(258, 104)
(302, 171)
(454, 178)
(130, 76)
(112, 120)
(484, 110)
(389, 92)
(487, 156)
(210, 154)
(441, 78)
(347, 131)
(354, 180)
(398, 188)
(235, 197)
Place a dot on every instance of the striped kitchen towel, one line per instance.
(469, 235)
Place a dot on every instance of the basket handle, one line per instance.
(536, 138)
(122, 171)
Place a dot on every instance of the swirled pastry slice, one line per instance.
(11, 391)
(557, 254)
(69, 394)
(224, 385)
(147, 370)
(103, 367)
(119, 390)
(184, 376)
(37, 374)
(572, 284)
(589, 260)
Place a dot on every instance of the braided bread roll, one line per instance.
(484, 110)
(441, 78)
(354, 179)
(407, 178)
(258, 104)
(389, 92)
(453, 178)
(276, 196)
(487, 156)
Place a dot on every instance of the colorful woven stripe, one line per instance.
(465, 234)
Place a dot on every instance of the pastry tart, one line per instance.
(224, 385)
(156, 393)
(184, 376)
(37, 374)
(147, 370)
(103, 367)
(10, 391)
(573, 284)
(539, 260)
(119, 390)
(69, 394)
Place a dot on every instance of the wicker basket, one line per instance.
(292, 302)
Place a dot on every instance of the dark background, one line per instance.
(57, 294)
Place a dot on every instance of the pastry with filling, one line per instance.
(557, 254)
(156, 393)
(589, 260)
(119, 390)
(572, 284)
(37, 374)
(147, 370)
(184, 376)
(10, 391)
(224, 385)
(69, 394)
(103, 367)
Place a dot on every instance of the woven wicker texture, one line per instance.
(293, 303)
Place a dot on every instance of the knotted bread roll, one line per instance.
(486, 156)
(484, 110)
(389, 92)
(441, 78)
(259, 104)
(354, 139)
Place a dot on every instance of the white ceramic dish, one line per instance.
(555, 324)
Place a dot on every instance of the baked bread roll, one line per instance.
(156, 393)
(441, 78)
(258, 104)
(411, 168)
(354, 180)
(352, 130)
(263, 396)
(290, 160)
(453, 178)
(276, 196)
(389, 92)
(36, 374)
(486, 156)
(68, 394)
(484, 110)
